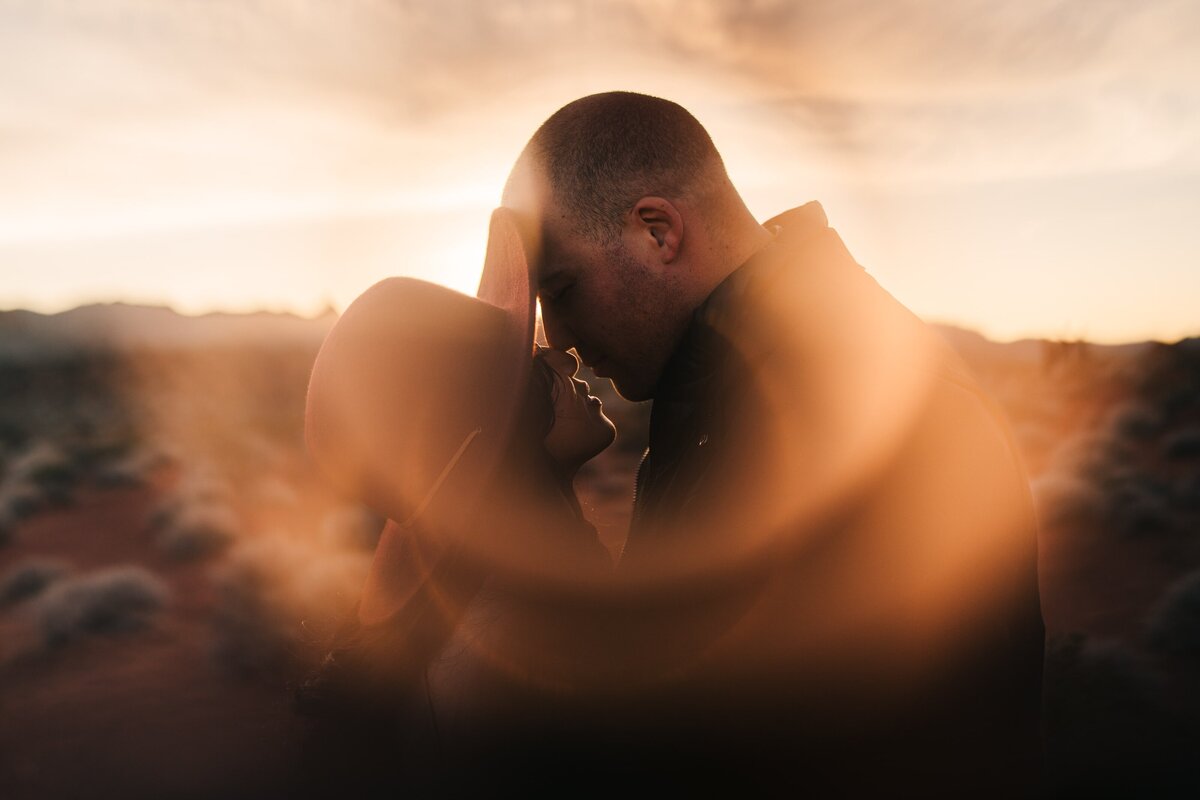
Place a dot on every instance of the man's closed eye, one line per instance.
(557, 295)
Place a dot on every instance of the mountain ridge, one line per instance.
(31, 335)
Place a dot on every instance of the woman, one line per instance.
(426, 404)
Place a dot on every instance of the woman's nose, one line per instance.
(564, 361)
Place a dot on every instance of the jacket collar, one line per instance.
(696, 359)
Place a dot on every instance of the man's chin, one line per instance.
(632, 390)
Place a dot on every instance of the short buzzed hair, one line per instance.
(603, 152)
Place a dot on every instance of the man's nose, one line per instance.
(558, 333)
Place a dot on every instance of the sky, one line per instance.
(1024, 169)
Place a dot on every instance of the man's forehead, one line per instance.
(557, 251)
(527, 186)
(551, 265)
(526, 193)
(564, 255)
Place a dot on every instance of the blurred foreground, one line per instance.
(170, 564)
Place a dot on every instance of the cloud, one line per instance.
(131, 97)
(129, 122)
(867, 49)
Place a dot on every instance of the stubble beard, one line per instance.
(659, 323)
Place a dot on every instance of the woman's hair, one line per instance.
(527, 451)
(529, 477)
(536, 417)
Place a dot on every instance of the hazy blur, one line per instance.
(169, 559)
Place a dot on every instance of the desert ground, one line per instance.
(171, 564)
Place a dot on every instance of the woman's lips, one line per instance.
(585, 391)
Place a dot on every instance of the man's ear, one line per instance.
(657, 228)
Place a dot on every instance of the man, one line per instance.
(830, 580)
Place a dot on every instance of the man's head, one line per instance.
(636, 222)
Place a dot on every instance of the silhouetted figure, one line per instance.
(436, 409)
(830, 582)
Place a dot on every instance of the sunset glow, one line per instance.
(1029, 170)
(324, 474)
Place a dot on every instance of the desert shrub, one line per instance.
(40, 476)
(43, 464)
(29, 579)
(1089, 457)
(96, 448)
(47, 469)
(1186, 490)
(197, 519)
(129, 469)
(1065, 500)
(198, 531)
(108, 601)
(1135, 421)
(8, 524)
(201, 485)
(1088, 485)
(13, 434)
(164, 512)
(1174, 625)
(253, 634)
(354, 526)
(1171, 378)
(19, 500)
(57, 495)
(1101, 678)
(1139, 505)
(1182, 445)
(1108, 730)
(120, 475)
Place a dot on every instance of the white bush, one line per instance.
(29, 579)
(197, 519)
(108, 601)
(198, 530)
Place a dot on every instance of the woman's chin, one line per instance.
(605, 436)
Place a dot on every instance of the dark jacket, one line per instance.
(847, 539)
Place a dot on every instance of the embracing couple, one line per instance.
(830, 579)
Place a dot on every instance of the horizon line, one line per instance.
(330, 307)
